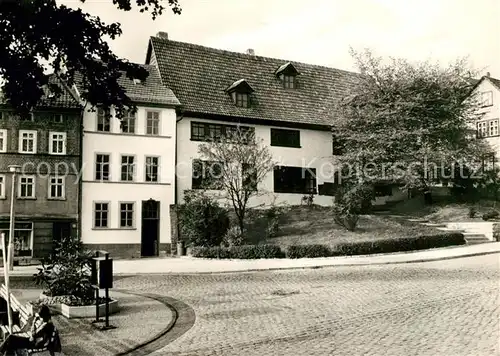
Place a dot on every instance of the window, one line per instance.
(152, 166)
(27, 117)
(294, 180)
(23, 233)
(285, 138)
(152, 123)
(3, 140)
(2, 186)
(203, 131)
(56, 188)
(338, 146)
(103, 120)
(487, 98)
(289, 81)
(101, 215)
(382, 190)
(57, 118)
(126, 215)
(57, 143)
(128, 123)
(127, 171)
(249, 177)
(487, 128)
(207, 174)
(102, 167)
(488, 162)
(26, 188)
(27, 141)
(242, 100)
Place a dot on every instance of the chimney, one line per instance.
(488, 74)
(251, 52)
(163, 35)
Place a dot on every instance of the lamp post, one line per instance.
(10, 248)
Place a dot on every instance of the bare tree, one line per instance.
(239, 163)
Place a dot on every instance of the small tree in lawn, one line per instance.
(244, 162)
(408, 123)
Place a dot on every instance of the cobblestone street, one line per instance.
(436, 308)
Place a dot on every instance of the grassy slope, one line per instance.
(315, 225)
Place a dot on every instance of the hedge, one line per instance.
(341, 249)
(239, 252)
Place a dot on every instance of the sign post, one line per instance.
(6, 275)
(102, 278)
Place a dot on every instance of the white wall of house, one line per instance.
(491, 113)
(315, 152)
(115, 191)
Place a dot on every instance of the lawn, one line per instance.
(315, 225)
(444, 212)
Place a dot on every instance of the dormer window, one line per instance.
(289, 81)
(242, 100)
(240, 93)
(287, 74)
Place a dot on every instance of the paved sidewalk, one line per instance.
(140, 319)
(198, 265)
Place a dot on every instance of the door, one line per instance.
(150, 231)
(60, 230)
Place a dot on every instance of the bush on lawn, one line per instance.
(492, 214)
(309, 251)
(239, 252)
(202, 221)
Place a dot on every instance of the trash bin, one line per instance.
(181, 248)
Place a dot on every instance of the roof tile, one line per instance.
(199, 75)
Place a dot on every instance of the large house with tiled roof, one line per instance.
(488, 90)
(128, 180)
(45, 145)
(290, 105)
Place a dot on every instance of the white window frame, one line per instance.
(3, 136)
(59, 120)
(484, 128)
(20, 184)
(153, 120)
(2, 186)
(35, 141)
(127, 118)
(146, 169)
(487, 98)
(95, 166)
(51, 140)
(97, 120)
(108, 219)
(134, 167)
(63, 190)
(120, 214)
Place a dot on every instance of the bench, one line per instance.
(25, 315)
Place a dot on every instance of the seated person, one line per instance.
(40, 334)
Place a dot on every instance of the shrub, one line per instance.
(308, 251)
(308, 199)
(273, 216)
(239, 252)
(233, 237)
(67, 272)
(398, 245)
(492, 214)
(350, 201)
(472, 212)
(202, 221)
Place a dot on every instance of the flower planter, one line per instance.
(88, 311)
(58, 303)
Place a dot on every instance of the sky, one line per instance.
(320, 31)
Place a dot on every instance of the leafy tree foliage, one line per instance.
(34, 32)
(408, 122)
(243, 162)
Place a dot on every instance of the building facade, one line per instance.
(289, 105)
(128, 173)
(46, 147)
